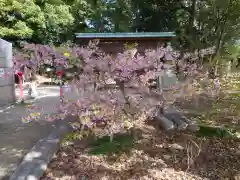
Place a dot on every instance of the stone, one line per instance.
(181, 121)
(177, 120)
(175, 147)
(167, 157)
(165, 123)
(237, 177)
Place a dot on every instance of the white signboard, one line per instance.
(1, 72)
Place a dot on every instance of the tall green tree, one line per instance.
(121, 14)
(155, 16)
(222, 21)
(58, 21)
(19, 19)
(36, 22)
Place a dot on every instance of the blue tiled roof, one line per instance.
(126, 35)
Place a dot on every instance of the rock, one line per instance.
(175, 147)
(175, 116)
(182, 121)
(237, 177)
(167, 157)
(238, 149)
(165, 123)
(238, 135)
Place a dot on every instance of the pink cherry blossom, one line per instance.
(127, 96)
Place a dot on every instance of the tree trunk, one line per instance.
(133, 129)
(220, 30)
(111, 137)
(219, 43)
(218, 48)
(229, 68)
(192, 13)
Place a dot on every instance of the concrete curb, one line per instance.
(36, 160)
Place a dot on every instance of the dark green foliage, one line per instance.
(198, 24)
(121, 143)
(208, 131)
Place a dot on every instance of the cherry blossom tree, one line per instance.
(115, 93)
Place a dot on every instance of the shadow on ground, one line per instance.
(17, 138)
(155, 155)
(17, 142)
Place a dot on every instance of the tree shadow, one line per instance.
(127, 162)
(121, 143)
(15, 143)
(220, 111)
(84, 161)
(217, 158)
(84, 168)
(17, 138)
(155, 154)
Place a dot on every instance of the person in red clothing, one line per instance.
(19, 74)
(27, 74)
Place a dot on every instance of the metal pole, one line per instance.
(19, 74)
(21, 87)
(61, 88)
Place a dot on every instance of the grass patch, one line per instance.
(209, 131)
(103, 146)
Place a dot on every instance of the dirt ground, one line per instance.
(155, 156)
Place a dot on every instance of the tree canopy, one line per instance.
(198, 24)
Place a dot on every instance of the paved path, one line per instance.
(16, 138)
